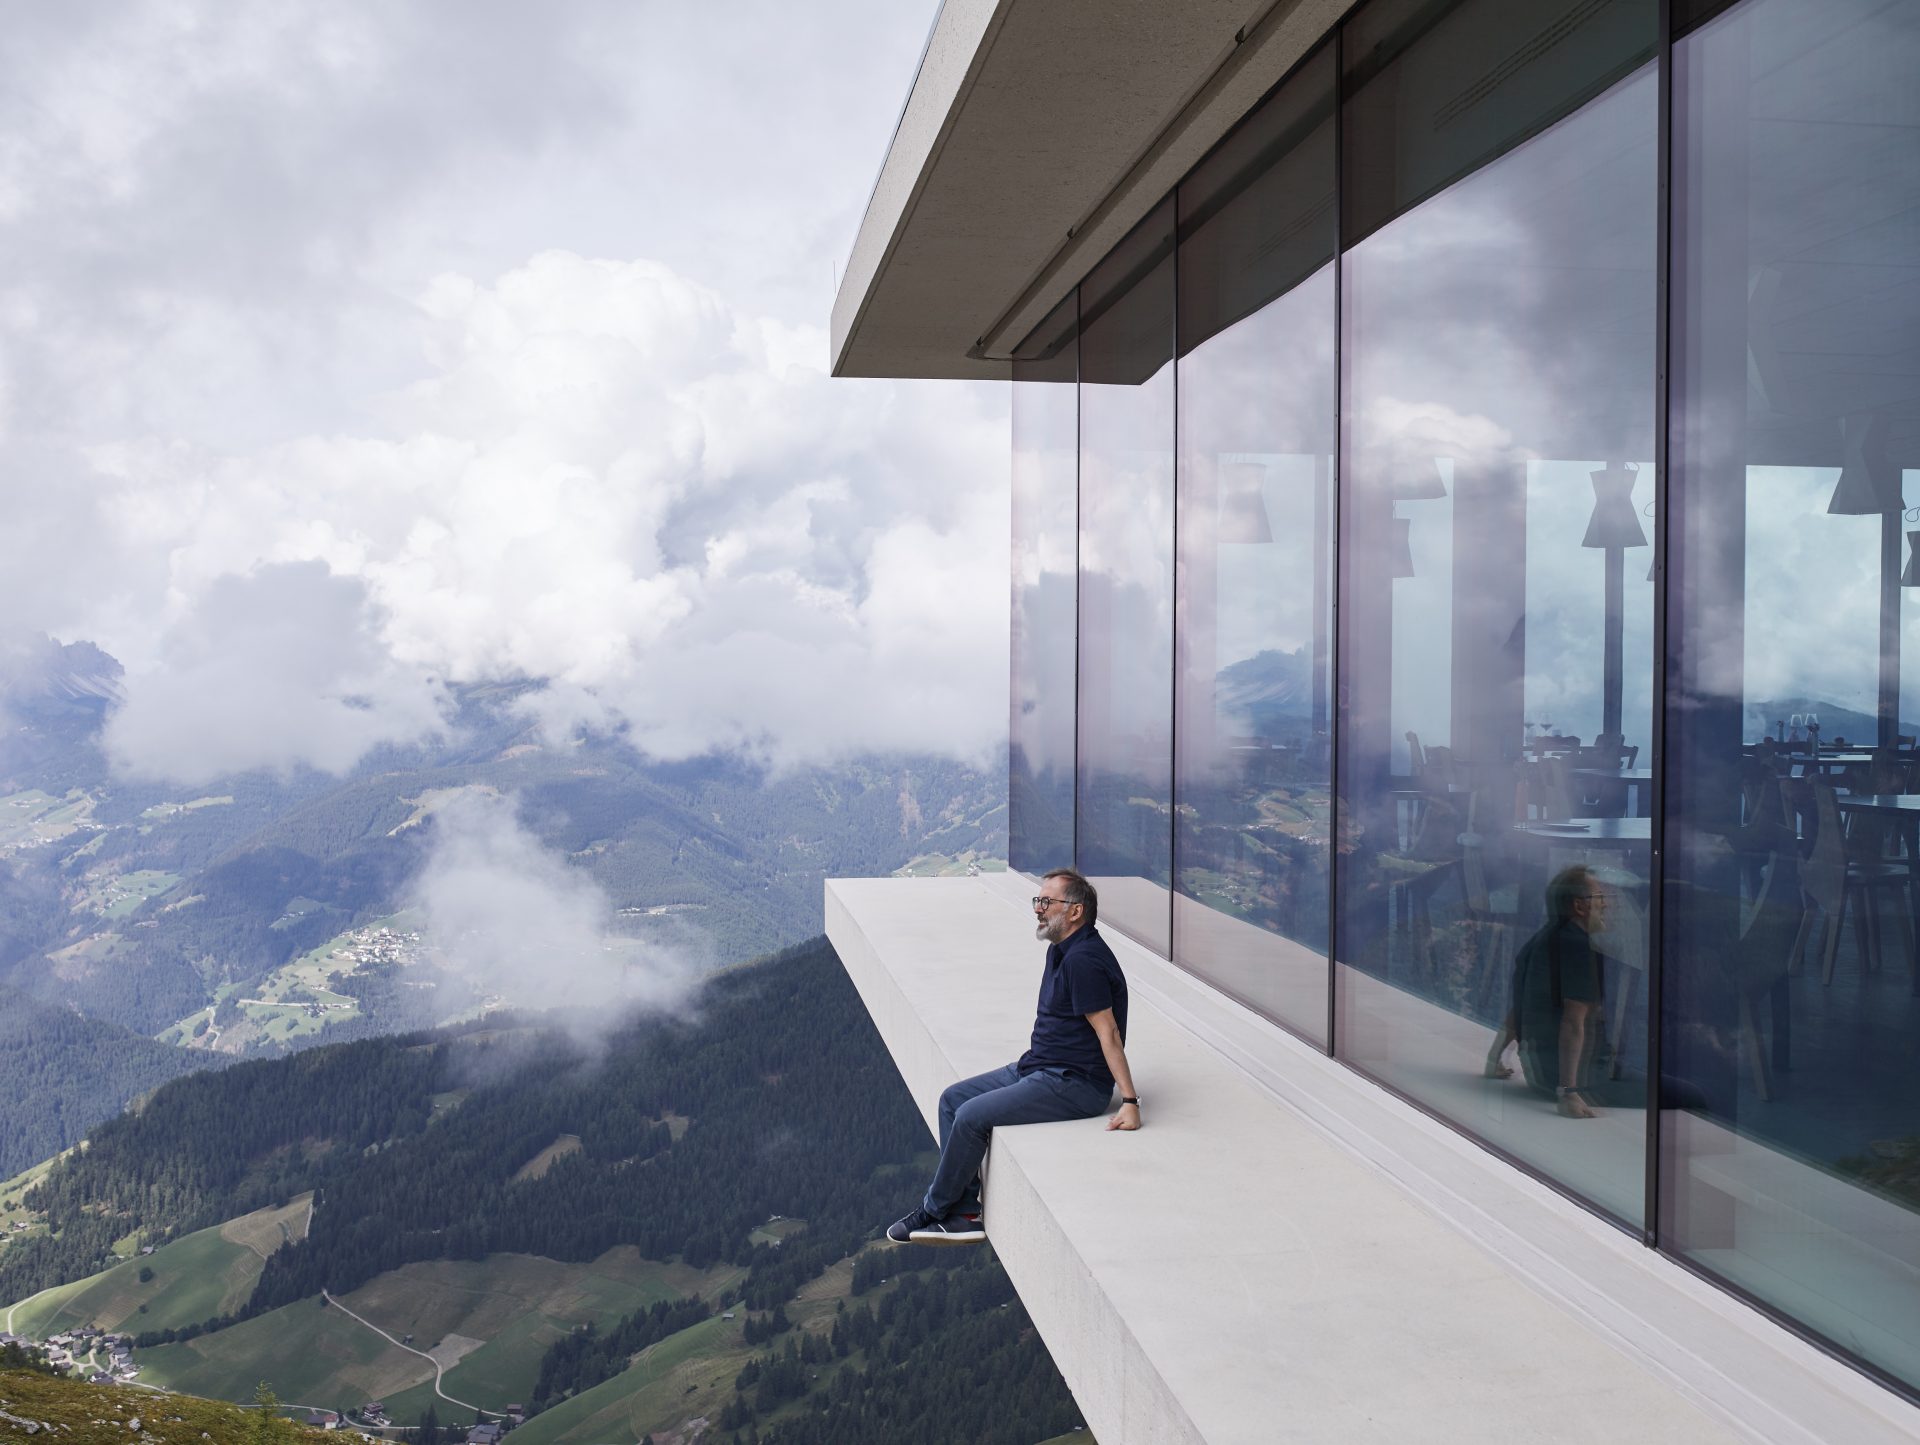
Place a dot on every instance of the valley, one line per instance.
(323, 1152)
(621, 1243)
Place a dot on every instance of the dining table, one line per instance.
(1590, 832)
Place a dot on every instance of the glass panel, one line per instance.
(1437, 88)
(1046, 421)
(1125, 797)
(1497, 634)
(1256, 404)
(1791, 1162)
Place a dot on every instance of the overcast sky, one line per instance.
(350, 349)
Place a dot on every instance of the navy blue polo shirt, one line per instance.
(1081, 977)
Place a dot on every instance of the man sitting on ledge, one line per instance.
(1077, 1055)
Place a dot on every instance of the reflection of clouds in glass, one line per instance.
(1126, 576)
(1813, 593)
(1504, 329)
(1264, 590)
(1524, 294)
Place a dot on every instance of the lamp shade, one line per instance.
(1614, 523)
(1416, 479)
(1400, 549)
(1869, 483)
(1243, 508)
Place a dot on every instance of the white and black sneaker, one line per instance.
(901, 1230)
(956, 1228)
(921, 1227)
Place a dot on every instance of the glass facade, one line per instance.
(1791, 1003)
(1045, 606)
(1482, 501)
(1499, 409)
(1124, 831)
(1254, 647)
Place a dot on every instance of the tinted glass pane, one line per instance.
(1436, 88)
(1256, 403)
(1045, 539)
(1256, 217)
(1126, 581)
(1497, 648)
(1792, 1163)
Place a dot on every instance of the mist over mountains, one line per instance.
(488, 866)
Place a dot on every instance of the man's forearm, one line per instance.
(1115, 1054)
(1573, 1043)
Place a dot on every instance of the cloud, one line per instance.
(512, 920)
(613, 481)
(364, 290)
(270, 670)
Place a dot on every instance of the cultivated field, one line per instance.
(208, 1273)
(492, 1319)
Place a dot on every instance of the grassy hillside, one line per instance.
(688, 1376)
(678, 1379)
(311, 1356)
(210, 1272)
(104, 1415)
(488, 1320)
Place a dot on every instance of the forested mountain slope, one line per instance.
(771, 1097)
(62, 1071)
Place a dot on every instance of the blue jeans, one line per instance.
(973, 1108)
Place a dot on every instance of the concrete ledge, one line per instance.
(1286, 1251)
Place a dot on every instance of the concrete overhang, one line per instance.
(1036, 134)
(1286, 1251)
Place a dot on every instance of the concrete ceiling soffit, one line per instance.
(1037, 133)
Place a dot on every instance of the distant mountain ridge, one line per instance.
(187, 912)
(36, 671)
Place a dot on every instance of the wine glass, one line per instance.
(1796, 727)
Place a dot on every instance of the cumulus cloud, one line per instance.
(277, 668)
(541, 390)
(616, 482)
(511, 920)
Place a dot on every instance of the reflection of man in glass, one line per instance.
(1557, 982)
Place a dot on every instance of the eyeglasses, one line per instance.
(1043, 903)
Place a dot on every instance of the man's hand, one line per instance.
(1106, 1028)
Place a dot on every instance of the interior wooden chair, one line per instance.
(1844, 874)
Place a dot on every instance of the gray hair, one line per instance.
(1569, 885)
(1075, 889)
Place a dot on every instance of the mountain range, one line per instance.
(169, 928)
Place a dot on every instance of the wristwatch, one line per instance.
(1125, 1100)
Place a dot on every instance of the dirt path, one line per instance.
(438, 1369)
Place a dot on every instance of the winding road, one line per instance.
(438, 1369)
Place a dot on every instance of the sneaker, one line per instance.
(901, 1230)
(956, 1228)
